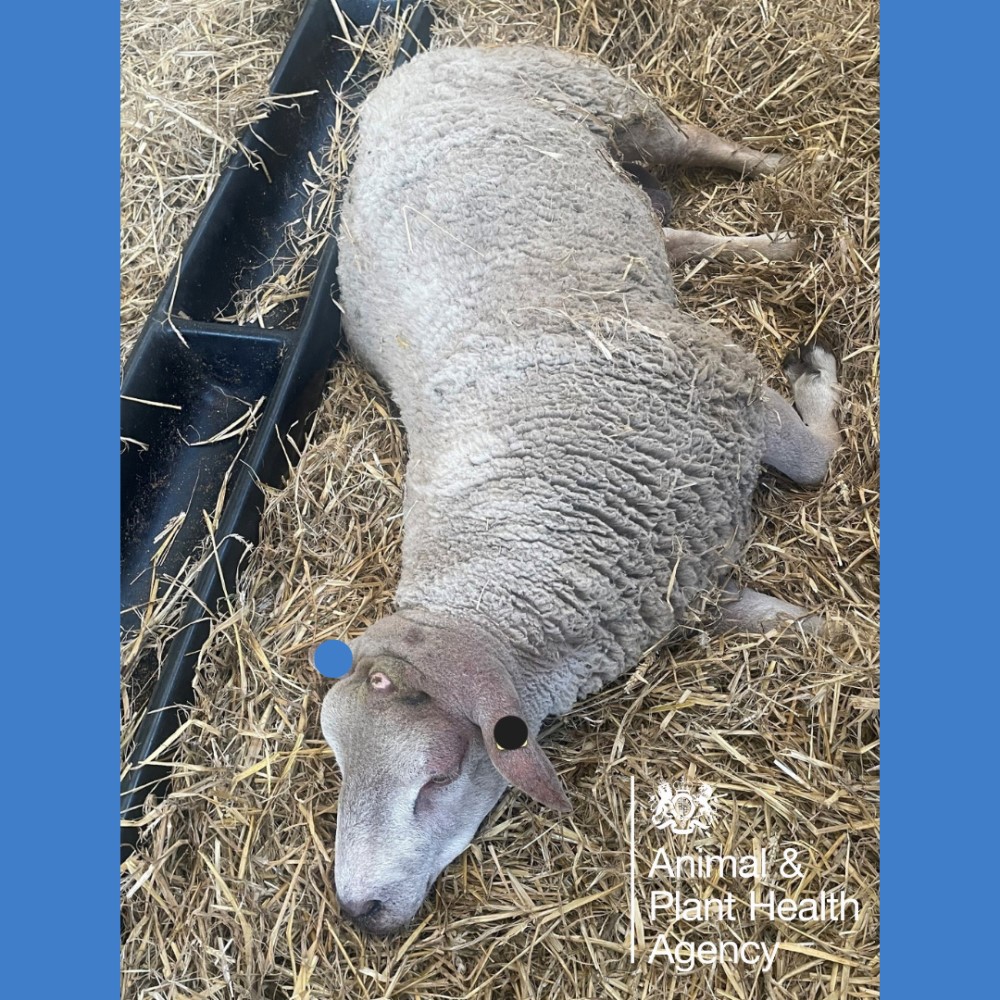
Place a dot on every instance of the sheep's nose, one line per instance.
(361, 911)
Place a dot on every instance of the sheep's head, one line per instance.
(427, 732)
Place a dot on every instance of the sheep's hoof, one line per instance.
(769, 164)
(815, 358)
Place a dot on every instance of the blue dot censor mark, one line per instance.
(332, 658)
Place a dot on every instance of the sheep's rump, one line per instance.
(582, 453)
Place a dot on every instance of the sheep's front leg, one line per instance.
(686, 244)
(747, 610)
(801, 440)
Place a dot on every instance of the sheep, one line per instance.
(583, 454)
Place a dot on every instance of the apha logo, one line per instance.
(682, 808)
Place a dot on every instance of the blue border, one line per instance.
(940, 508)
(939, 283)
(60, 647)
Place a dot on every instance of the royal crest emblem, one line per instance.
(682, 808)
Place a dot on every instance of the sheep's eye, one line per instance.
(425, 799)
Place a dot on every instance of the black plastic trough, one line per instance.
(190, 377)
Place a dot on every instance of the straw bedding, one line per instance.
(228, 894)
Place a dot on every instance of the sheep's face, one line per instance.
(417, 782)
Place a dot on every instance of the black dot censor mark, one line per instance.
(510, 733)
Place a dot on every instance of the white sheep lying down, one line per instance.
(583, 452)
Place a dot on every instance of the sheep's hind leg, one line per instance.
(686, 244)
(654, 138)
(801, 440)
(648, 134)
(747, 610)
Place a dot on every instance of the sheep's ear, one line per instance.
(485, 695)
(524, 764)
